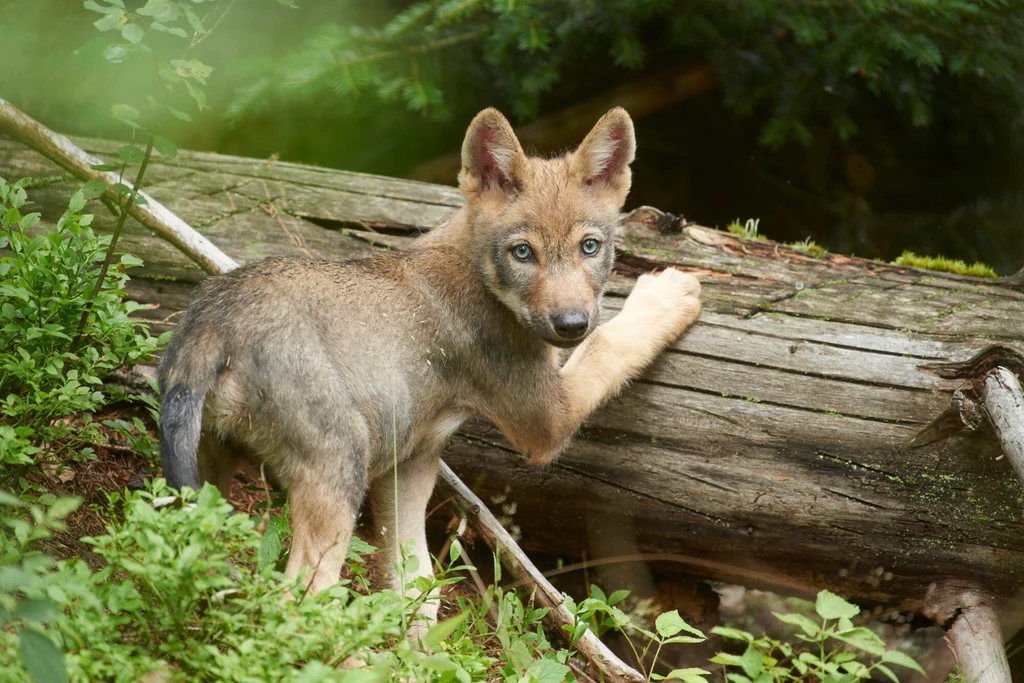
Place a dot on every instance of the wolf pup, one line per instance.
(328, 374)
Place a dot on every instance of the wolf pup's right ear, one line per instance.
(602, 160)
(492, 158)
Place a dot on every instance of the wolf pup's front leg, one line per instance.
(657, 311)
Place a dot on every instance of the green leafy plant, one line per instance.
(181, 595)
(24, 572)
(601, 614)
(832, 652)
(48, 373)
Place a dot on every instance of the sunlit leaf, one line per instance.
(133, 33)
(125, 114)
(896, 657)
(165, 146)
(94, 188)
(831, 606)
(440, 631)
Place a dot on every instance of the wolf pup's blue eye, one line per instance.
(590, 246)
(522, 252)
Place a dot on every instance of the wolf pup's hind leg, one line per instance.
(323, 515)
(400, 517)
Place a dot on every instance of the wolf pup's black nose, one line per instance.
(571, 324)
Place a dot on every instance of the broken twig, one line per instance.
(152, 214)
(1004, 405)
(977, 643)
(589, 645)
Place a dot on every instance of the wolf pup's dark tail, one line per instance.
(187, 372)
(181, 414)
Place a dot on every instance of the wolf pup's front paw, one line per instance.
(669, 299)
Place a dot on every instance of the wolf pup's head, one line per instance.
(543, 229)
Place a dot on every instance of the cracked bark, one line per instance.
(772, 444)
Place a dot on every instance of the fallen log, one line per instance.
(771, 446)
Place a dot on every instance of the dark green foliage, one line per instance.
(46, 281)
(178, 597)
(799, 60)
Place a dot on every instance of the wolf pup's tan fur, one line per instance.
(327, 373)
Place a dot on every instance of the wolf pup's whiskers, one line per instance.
(346, 380)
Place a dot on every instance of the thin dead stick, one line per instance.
(1004, 405)
(153, 215)
(589, 645)
(977, 644)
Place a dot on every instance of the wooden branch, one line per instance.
(153, 214)
(977, 643)
(1004, 405)
(513, 558)
(567, 127)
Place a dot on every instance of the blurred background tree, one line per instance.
(869, 127)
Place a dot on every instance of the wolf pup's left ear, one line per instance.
(602, 160)
(492, 158)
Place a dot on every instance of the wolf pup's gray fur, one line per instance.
(327, 373)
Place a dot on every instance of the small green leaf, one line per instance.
(197, 94)
(689, 675)
(133, 33)
(108, 22)
(888, 672)
(194, 21)
(272, 542)
(37, 610)
(62, 507)
(454, 551)
(154, 8)
(439, 632)
(737, 678)
(831, 606)
(732, 634)
(546, 670)
(103, 9)
(165, 146)
(670, 623)
(806, 625)
(752, 661)
(179, 114)
(125, 114)
(863, 639)
(45, 663)
(122, 188)
(900, 659)
(115, 54)
(105, 167)
(173, 30)
(130, 260)
(130, 154)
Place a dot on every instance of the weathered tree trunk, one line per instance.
(770, 446)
